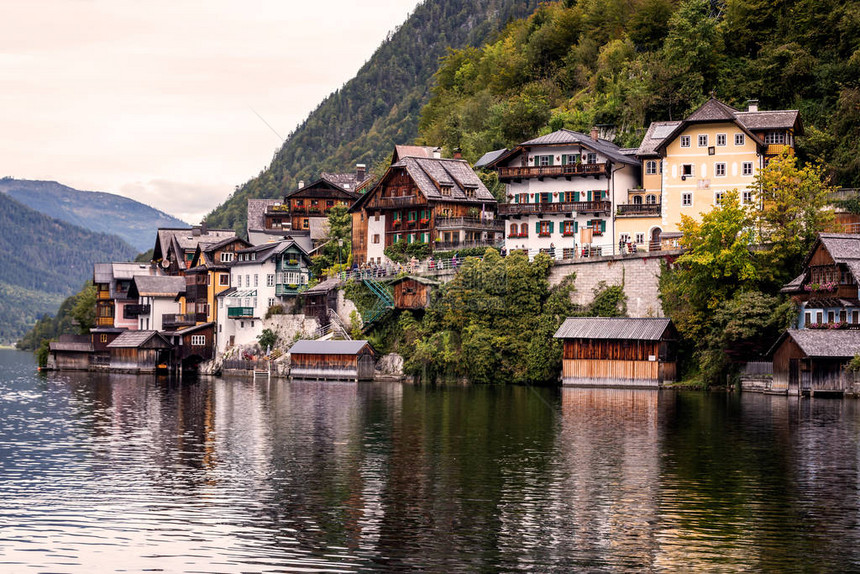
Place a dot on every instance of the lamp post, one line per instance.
(339, 245)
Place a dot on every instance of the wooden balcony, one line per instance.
(449, 245)
(134, 311)
(402, 201)
(240, 312)
(638, 209)
(576, 169)
(542, 208)
(104, 321)
(175, 320)
(471, 223)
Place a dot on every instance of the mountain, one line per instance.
(361, 122)
(97, 211)
(45, 260)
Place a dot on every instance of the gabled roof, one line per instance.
(329, 347)
(188, 330)
(157, 286)
(841, 246)
(347, 181)
(266, 251)
(205, 252)
(185, 239)
(771, 120)
(257, 213)
(70, 347)
(713, 111)
(657, 132)
(569, 137)
(403, 151)
(825, 343)
(323, 286)
(639, 329)
(490, 157)
(137, 339)
(321, 188)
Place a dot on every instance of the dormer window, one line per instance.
(226, 257)
(446, 190)
(470, 192)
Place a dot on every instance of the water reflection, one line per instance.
(118, 472)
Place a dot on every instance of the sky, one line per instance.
(172, 103)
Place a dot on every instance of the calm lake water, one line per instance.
(120, 473)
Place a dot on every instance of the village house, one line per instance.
(192, 345)
(561, 189)
(158, 297)
(813, 361)
(262, 276)
(826, 290)
(207, 275)
(618, 352)
(687, 166)
(423, 198)
(174, 248)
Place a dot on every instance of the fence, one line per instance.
(246, 365)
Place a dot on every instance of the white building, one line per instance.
(260, 277)
(561, 190)
(156, 296)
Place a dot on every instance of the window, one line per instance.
(543, 160)
(808, 319)
(570, 158)
(685, 141)
(271, 301)
(771, 138)
(198, 340)
(223, 279)
(469, 191)
(270, 280)
(305, 223)
(571, 196)
(718, 198)
(446, 190)
(545, 228)
(720, 169)
(686, 199)
(591, 158)
(514, 231)
(746, 197)
(329, 203)
(650, 167)
(376, 238)
(651, 199)
(747, 168)
(569, 228)
(640, 238)
(598, 226)
(739, 139)
(687, 170)
(226, 257)
(624, 238)
(103, 338)
(703, 140)
(721, 139)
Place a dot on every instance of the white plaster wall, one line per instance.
(161, 306)
(375, 250)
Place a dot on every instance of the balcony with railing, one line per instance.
(638, 209)
(402, 201)
(574, 169)
(542, 208)
(449, 245)
(175, 320)
(240, 312)
(476, 223)
(134, 311)
(104, 321)
(282, 289)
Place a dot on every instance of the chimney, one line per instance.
(195, 231)
(458, 153)
(301, 183)
(752, 105)
(437, 153)
(595, 133)
(360, 172)
(204, 229)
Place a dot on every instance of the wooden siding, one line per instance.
(617, 363)
(134, 360)
(332, 367)
(610, 349)
(410, 294)
(359, 235)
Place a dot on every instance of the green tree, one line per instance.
(84, 310)
(267, 339)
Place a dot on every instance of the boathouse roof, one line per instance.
(830, 343)
(138, 339)
(637, 329)
(328, 347)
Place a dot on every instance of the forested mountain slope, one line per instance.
(627, 63)
(97, 211)
(44, 260)
(380, 106)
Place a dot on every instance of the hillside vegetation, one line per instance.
(362, 121)
(627, 63)
(97, 211)
(44, 260)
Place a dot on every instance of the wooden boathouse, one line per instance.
(332, 360)
(812, 361)
(413, 292)
(139, 352)
(70, 353)
(618, 352)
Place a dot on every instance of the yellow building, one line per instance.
(688, 165)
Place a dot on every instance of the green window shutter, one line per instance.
(603, 226)
(564, 159)
(575, 226)
(551, 158)
(552, 226)
(589, 195)
(575, 196)
(537, 226)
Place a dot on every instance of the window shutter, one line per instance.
(537, 226)
(552, 226)
(575, 226)
(575, 196)
(564, 159)
(603, 226)
(589, 195)
(551, 157)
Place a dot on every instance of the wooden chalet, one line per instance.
(826, 291)
(812, 361)
(423, 199)
(139, 352)
(70, 353)
(618, 352)
(208, 274)
(320, 299)
(332, 360)
(305, 211)
(411, 292)
(175, 247)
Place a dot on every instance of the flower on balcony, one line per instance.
(826, 286)
(425, 221)
(396, 222)
(544, 234)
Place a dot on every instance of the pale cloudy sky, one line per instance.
(158, 100)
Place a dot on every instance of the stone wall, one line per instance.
(638, 273)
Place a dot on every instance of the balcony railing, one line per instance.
(104, 321)
(402, 201)
(134, 311)
(595, 169)
(287, 288)
(448, 245)
(175, 320)
(574, 206)
(240, 312)
(638, 209)
(469, 223)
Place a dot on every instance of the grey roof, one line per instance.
(835, 343)
(185, 240)
(794, 285)
(417, 279)
(153, 286)
(257, 213)
(713, 111)
(769, 120)
(102, 273)
(322, 188)
(187, 330)
(268, 250)
(430, 174)
(657, 132)
(565, 136)
(135, 339)
(490, 157)
(226, 293)
(327, 347)
(324, 287)
(347, 181)
(841, 246)
(402, 151)
(640, 329)
(70, 346)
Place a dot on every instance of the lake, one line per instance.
(119, 473)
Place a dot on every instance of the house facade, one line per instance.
(441, 202)
(207, 275)
(116, 308)
(261, 276)
(175, 247)
(561, 190)
(687, 167)
(158, 297)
